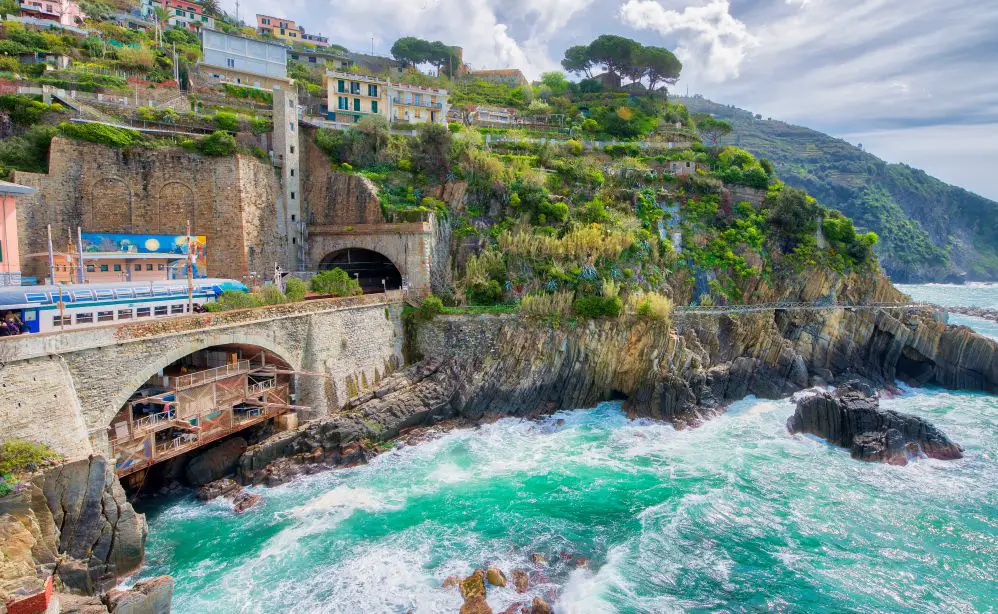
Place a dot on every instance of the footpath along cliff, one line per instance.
(482, 367)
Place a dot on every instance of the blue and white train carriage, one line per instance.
(85, 305)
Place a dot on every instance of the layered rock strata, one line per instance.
(851, 418)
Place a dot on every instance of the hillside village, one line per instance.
(547, 192)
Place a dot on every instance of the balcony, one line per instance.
(200, 378)
(412, 103)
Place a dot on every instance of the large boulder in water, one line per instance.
(216, 463)
(851, 418)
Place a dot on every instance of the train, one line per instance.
(45, 309)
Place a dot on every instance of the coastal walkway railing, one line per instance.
(760, 307)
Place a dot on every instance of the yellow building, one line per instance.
(418, 105)
(353, 97)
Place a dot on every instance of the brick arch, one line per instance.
(105, 211)
(176, 203)
(135, 380)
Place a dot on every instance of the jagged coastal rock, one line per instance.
(74, 522)
(851, 418)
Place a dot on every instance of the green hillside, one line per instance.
(929, 230)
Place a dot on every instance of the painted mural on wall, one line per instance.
(167, 245)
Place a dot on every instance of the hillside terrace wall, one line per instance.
(233, 201)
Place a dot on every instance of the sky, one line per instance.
(914, 81)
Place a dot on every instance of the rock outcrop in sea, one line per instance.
(851, 418)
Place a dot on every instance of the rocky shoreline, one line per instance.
(977, 312)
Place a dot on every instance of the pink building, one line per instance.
(10, 256)
(64, 12)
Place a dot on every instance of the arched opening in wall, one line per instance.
(212, 402)
(374, 271)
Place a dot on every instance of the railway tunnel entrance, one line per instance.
(203, 398)
(374, 271)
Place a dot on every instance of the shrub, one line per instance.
(218, 144)
(489, 293)
(574, 147)
(238, 91)
(100, 133)
(597, 306)
(271, 295)
(431, 307)
(227, 121)
(650, 306)
(455, 127)
(480, 268)
(234, 299)
(621, 150)
(547, 305)
(261, 125)
(295, 289)
(19, 456)
(336, 282)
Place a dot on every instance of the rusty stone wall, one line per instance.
(234, 201)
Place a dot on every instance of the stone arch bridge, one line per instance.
(63, 389)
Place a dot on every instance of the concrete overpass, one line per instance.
(63, 389)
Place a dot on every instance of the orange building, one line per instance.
(111, 267)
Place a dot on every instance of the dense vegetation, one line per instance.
(928, 229)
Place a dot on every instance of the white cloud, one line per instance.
(711, 41)
(484, 28)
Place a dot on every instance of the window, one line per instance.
(292, 149)
(138, 267)
(356, 104)
(160, 267)
(175, 309)
(117, 268)
(142, 312)
(124, 314)
(84, 318)
(419, 114)
(105, 316)
(354, 87)
(291, 126)
(266, 22)
(148, 267)
(62, 321)
(343, 103)
(341, 86)
(292, 172)
(161, 310)
(180, 12)
(372, 90)
(231, 63)
(374, 106)
(312, 59)
(292, 196)
(293, 217)
(103, 268)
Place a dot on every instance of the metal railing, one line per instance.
(154, 420)
(200, 378)
(413, 103)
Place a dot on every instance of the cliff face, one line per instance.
(72, 521)
(490, 366)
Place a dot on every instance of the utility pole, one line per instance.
(51, 258)
(190, 270)
(79, 253)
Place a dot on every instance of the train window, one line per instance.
(65, 297)
(161, 310)
(142, 292)
(105, 316)
(142, 312)
(104, 294)
(36, 297)
(84, 295)
(124, 314)
(178, 290)
(60, 320)
(124, 293)
(84, 318)
(175, 309)
(103, 268)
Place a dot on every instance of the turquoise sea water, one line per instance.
(736, 515)
(970, 295)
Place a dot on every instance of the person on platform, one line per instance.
(4, 329)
